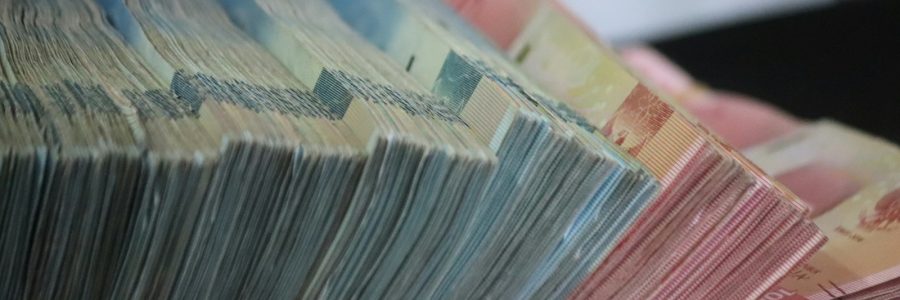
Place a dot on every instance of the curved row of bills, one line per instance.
(258, 149)
(719, 227)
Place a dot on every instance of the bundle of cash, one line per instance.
(421, 157)
(719, 227)
(549, 175)
(72, 145)
(283, 149)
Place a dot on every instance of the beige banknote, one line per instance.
(863, 228)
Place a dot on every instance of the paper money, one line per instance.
(393, 27)
(483, 98)
(702, 179)
(862, 224)
(249, 96)
(73, 141)
(411, 139)
(237, 155)
(358, 149)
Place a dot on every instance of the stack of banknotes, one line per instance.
(860, 260)
(716, 228)
(385, 149)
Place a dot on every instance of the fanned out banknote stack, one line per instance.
(860, 261)
(737, 233)
(282, 149)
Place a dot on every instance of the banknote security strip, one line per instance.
(281, 149)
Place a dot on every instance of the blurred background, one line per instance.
(813, 58)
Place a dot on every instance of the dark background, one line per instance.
(841, 62)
